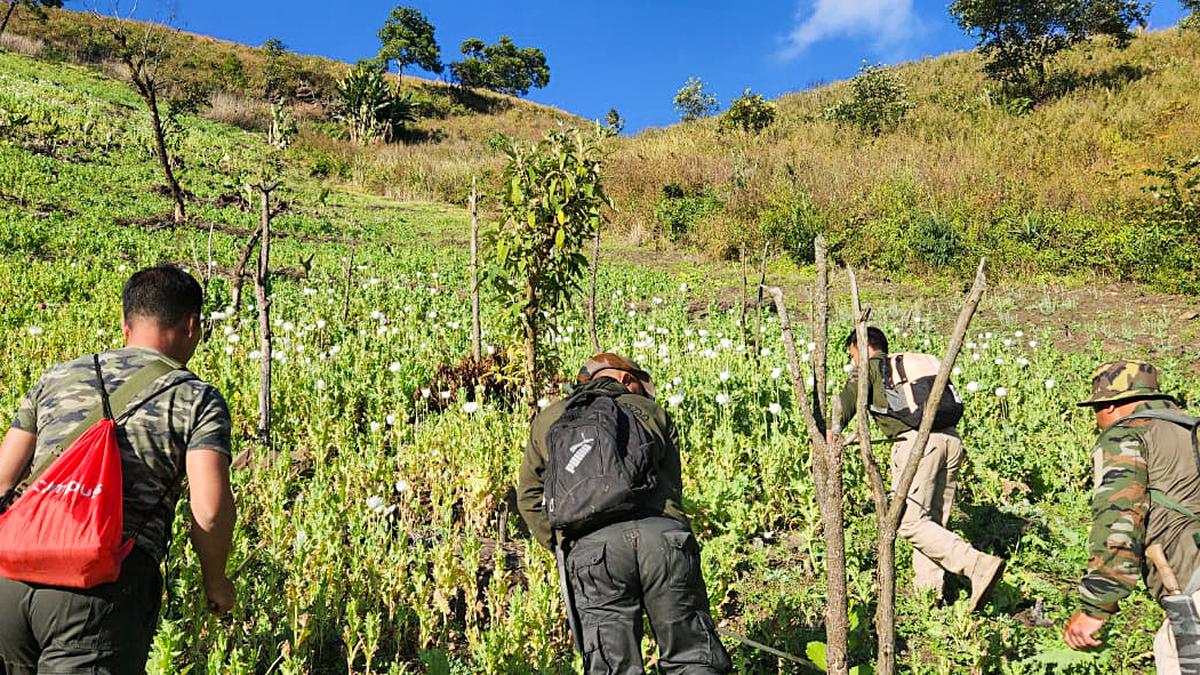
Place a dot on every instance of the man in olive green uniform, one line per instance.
(650, 560)
(936, 550)
(176, 425)
(1147, 488)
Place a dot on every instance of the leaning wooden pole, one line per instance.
(476, 327)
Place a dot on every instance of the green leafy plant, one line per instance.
(553, 201)
(678, 212)
(878, 101)
(371, 108)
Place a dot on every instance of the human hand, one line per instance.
(221, 595)
(1080, 631)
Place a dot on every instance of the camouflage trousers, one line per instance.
(936, 550)
(1171, 658)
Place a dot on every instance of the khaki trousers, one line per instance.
(936, 550)
(1166, 652)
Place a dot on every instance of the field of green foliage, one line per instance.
(382, 539)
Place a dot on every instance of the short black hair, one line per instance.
(164, 292)
(875, 339)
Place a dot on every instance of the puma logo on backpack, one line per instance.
(600, 465)
(908, 381)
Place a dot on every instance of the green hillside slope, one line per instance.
(1053, 188)
(380, 537)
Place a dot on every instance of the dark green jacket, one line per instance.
(889, 426)
(667, 498)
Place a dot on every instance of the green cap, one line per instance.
(1119, 381)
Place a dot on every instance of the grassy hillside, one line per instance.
(1053, 188)
(382, 538)
(440, 152)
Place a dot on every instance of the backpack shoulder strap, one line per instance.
(1178, 417)
(1159, 497)
(119, 400)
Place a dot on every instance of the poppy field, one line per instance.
(379, 533)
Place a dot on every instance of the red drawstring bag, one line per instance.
(66, 529)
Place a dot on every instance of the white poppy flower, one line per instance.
(1001, 392)
(1049, 384)
(470, 407)
(776, 373)
(724, 376)
(35, 330)
(320, 385)
(775, 408)
(394, 366)
(972, 386)
(675, 400)
(722, 399)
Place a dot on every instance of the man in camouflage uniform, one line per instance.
(177, 425)
(1146, 478)
(936, 549)
(648, 562)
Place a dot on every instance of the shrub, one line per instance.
(878, 101)
(792, 225)
(1171, 227)
(935, 242)
(371, 108)
(678, 212)
(749, 112)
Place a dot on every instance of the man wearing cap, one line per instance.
(649, 560)
(1147, 487)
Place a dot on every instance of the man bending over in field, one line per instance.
(898, 389)
(178, 425)
(601, 485)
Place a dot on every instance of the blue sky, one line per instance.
(628, 54)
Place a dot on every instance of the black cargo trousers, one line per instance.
(106, 630)
(650, 564)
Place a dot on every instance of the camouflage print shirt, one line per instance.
(1131, 458)
(189, 416)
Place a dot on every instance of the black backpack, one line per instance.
(600, 466)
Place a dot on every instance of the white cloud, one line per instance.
(888, 22)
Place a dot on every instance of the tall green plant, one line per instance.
(371, 108)
(553, 201)
(750, 112)
(694, 101)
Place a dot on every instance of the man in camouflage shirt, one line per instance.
(1145, 470)
(177, 425)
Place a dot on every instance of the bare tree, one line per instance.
(262, 294)
(141, 48)
(239, 272)
(476, 327)
(762, 281)
(890, 511)
(827, 457)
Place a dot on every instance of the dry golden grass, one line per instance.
(960, 151)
